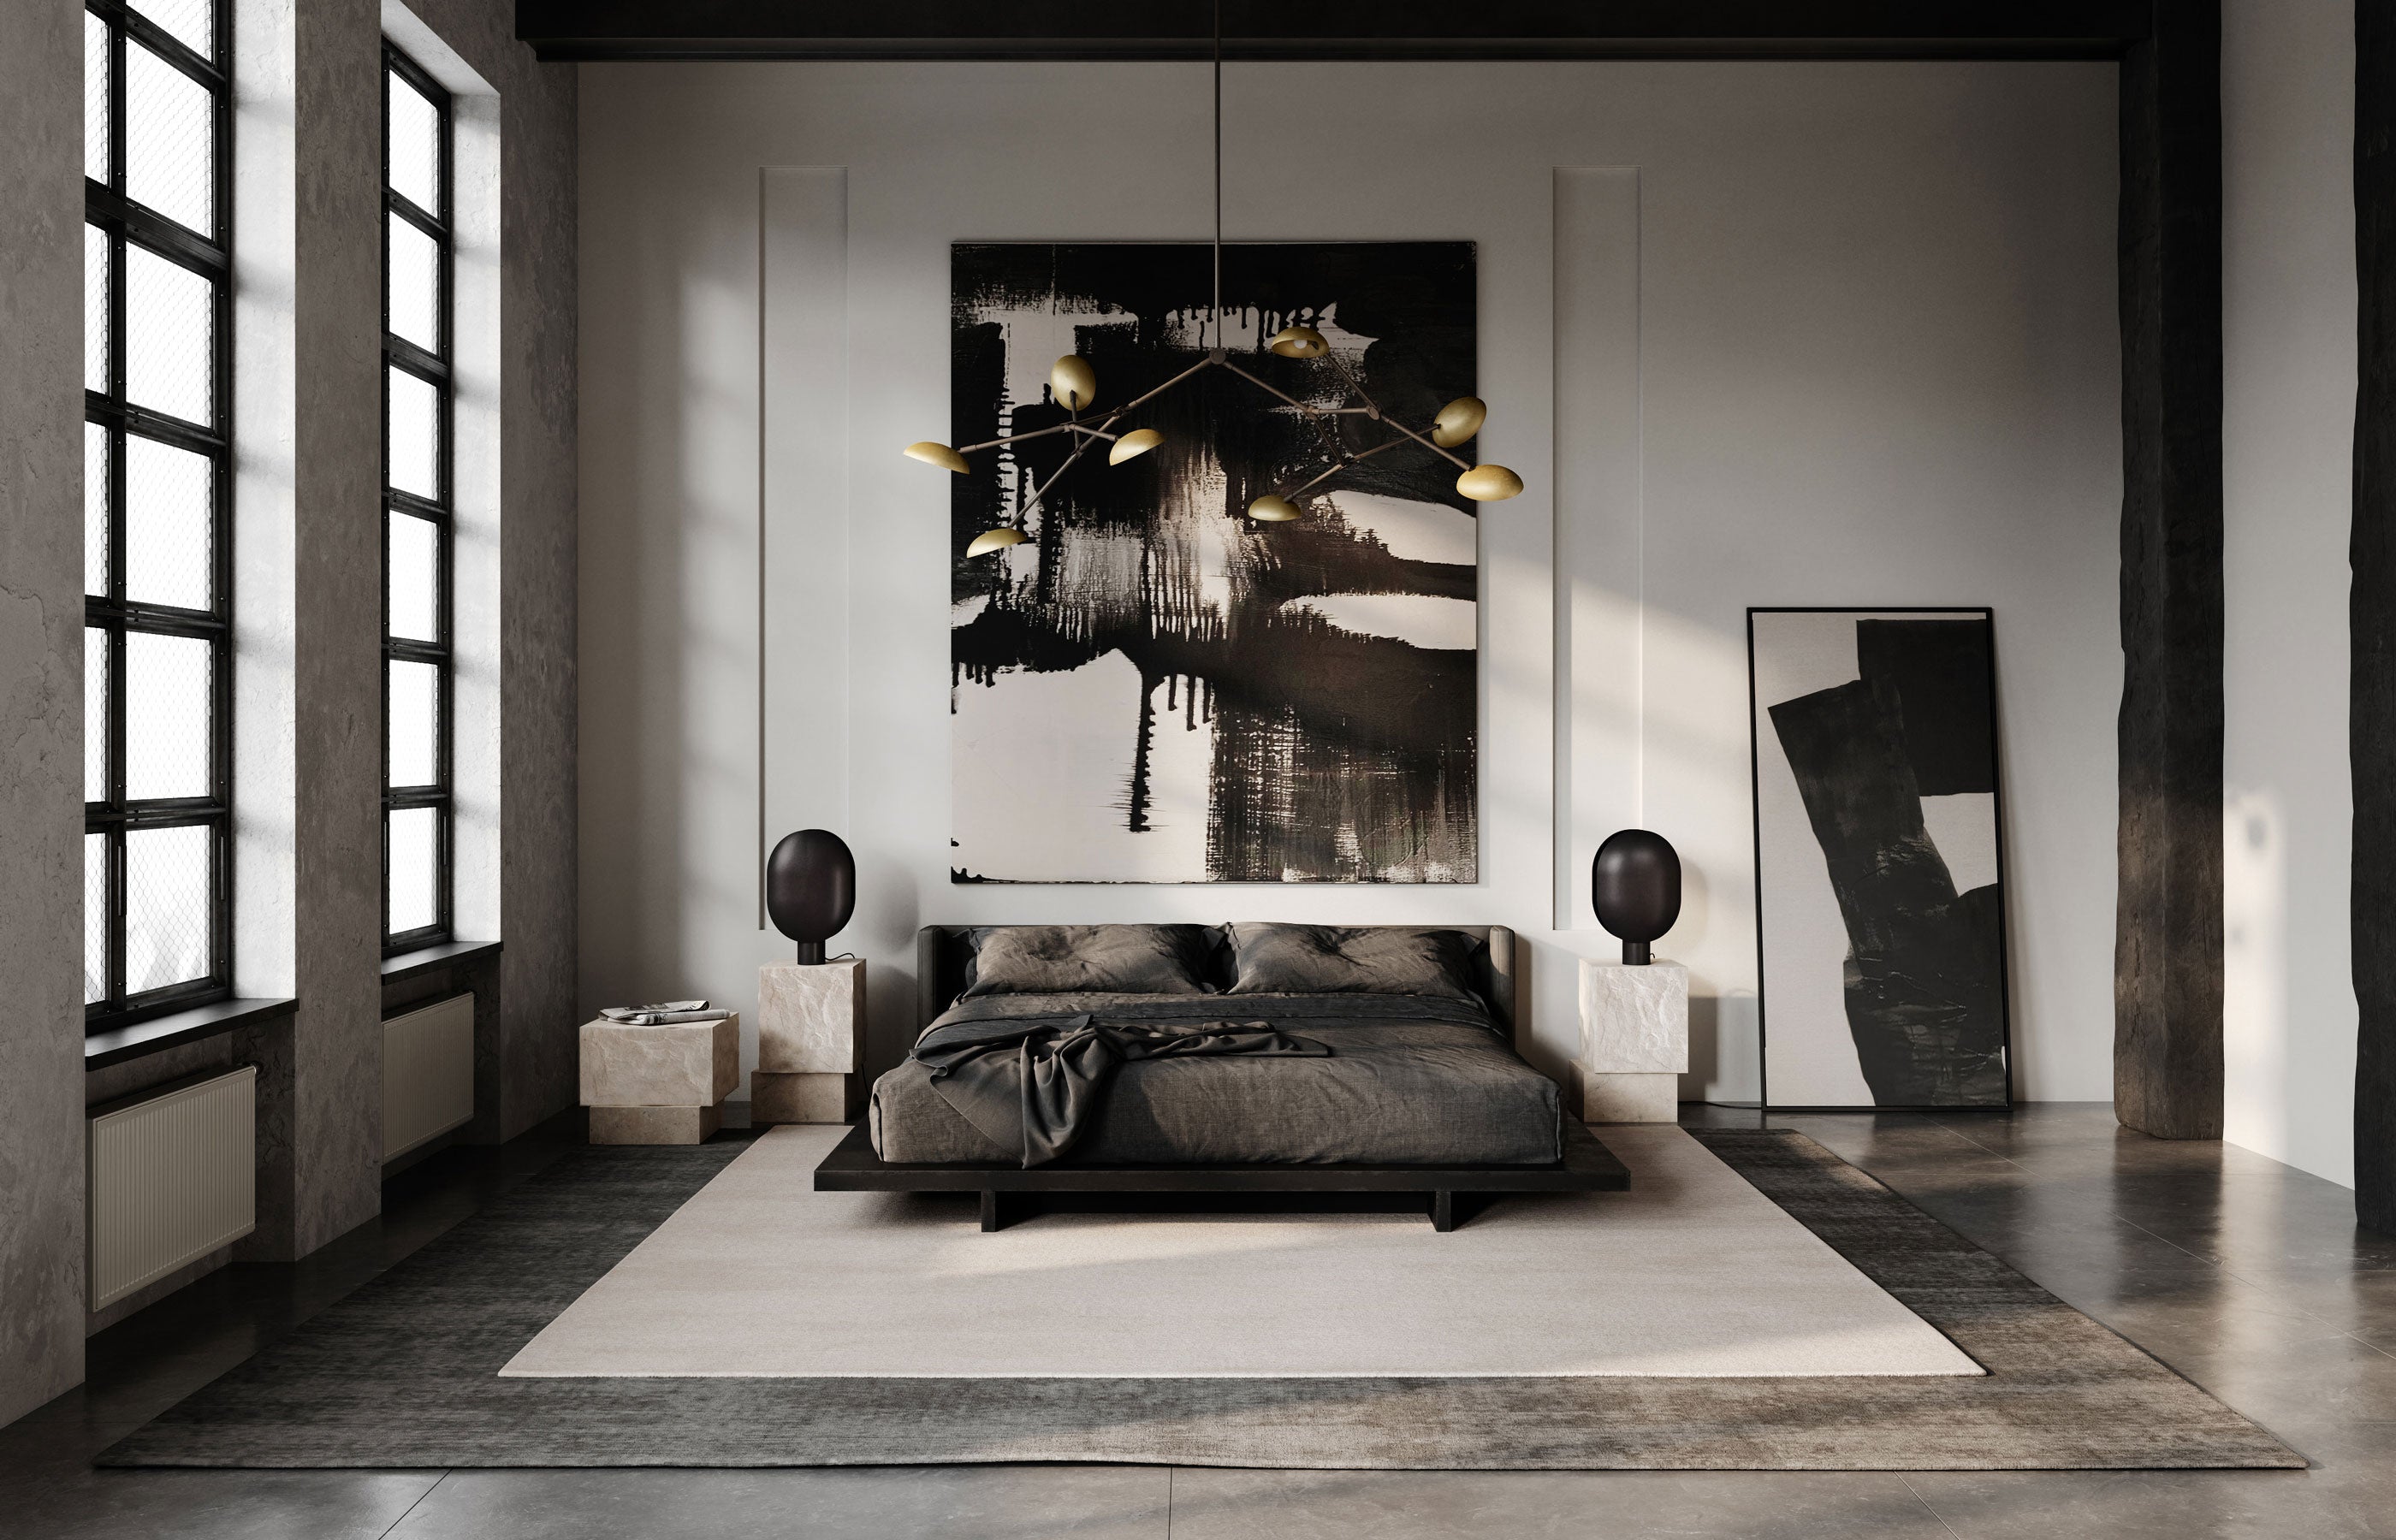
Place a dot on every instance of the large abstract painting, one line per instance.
(1157, 689)
(1879, 880)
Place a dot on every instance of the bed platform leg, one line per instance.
(993, 1215)
(1442, 1210)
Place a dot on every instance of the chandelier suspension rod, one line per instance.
(1219, 173)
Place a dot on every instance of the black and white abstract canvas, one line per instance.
(1879, 872)
(1157, 689)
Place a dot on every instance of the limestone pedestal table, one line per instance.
(661, 1084)
(810, 1043)
(1634, 1041)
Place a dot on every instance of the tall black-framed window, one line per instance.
(418, 819)
(158, 505)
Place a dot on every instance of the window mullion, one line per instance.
(396, 201)
(157, 425)
(431, 367)
(112, 847)
(117, 872)
(154, 232)
(115, 23)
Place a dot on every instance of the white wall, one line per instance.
(1781, 334)
(2288, 335)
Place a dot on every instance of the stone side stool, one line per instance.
(658, 1085)
(1634, 1041)
(810, 1043)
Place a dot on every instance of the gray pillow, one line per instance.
(1353, 960)
(1075, 959)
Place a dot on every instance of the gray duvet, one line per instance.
(1410, 1081)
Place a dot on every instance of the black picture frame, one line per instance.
(1755, 785)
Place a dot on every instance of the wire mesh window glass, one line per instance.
(158, 479)
(417, 502)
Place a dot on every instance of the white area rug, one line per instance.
(1691, 1272)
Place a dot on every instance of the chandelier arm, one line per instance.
(1303, 406)
(1373, 410)
(1332, 445)
(1043, 490)
(1327, 472)
(1372, 407)
(1005, 439)
(1357, 459)
(1459, 462)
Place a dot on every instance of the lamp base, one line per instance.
(812, 951)
(1635, 955)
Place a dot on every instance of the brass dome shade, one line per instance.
(1458, 420)
(940, 454)
(1272, 509)
(1298, 342)
(995, 539)
(1138, 442)
(1489, 484)
(1074, 382)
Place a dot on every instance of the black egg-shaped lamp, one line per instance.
(811, 889)
(1635, 887)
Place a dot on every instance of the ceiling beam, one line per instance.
(1329, 29)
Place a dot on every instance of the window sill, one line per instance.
(120, 1044)
(449, 954)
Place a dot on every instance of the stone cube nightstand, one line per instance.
(810, 1043)
(662, 1084)
(1634, 1041)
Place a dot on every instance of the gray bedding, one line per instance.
(1410, 1081)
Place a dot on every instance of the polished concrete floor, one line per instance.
(2247, 1277)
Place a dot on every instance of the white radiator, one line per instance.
(172, 1178)
(428, 1073)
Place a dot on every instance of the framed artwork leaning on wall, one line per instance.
(1878, 859)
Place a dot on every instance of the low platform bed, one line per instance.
(1008, 1191)
(1245, 1073)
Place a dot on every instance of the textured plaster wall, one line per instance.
(2288, 368)
(337, 1041)
(41, 701)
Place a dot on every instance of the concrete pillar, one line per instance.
(41, 702)
(2167, 957)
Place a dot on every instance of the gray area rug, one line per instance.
(404, 1373)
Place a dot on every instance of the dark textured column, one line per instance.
(2372, 617)
(2167, 927)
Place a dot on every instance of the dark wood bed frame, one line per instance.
(1007, 1190)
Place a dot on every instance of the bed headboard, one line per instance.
(940, 957)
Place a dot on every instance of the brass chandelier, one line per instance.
(1073, 385)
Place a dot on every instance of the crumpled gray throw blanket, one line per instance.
(1031, 1083)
